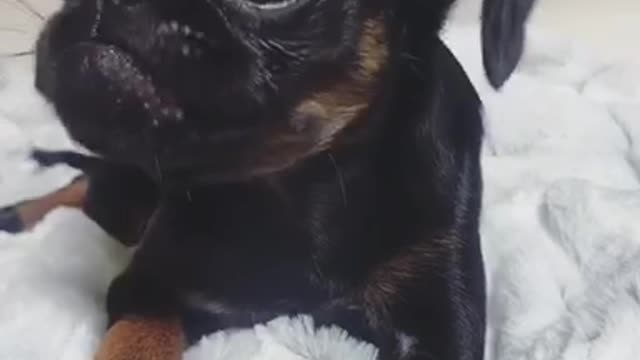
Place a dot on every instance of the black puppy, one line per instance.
(274, 157)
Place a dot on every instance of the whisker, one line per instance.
(343, 188)
(98, 18)
(156, 163)
(17, 54)
(30, 9)
(13, 30)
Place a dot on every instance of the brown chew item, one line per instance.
(143, 339)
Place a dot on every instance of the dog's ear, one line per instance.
(503, 37)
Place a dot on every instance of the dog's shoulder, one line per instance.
(456, 105)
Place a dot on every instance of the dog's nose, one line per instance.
(126, 2)
(155, 31)
(117, 17)
(133, 26)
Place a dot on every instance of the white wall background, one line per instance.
(611, 27)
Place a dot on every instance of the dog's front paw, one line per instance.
(143, 339)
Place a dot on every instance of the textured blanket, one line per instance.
(560, 225)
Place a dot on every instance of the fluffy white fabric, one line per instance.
(560, 230)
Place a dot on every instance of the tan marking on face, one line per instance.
(373, 49)
(143, 339)
(342, 103)
(317, 120)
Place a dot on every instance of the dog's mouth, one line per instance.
(181, 103)
(156, 72)
(112, 105)
(119, 73)
(143, 123)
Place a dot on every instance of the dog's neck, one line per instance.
(385, 104)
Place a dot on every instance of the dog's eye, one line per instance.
(270, 4)
(267, 5)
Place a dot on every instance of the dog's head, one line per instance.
(226, 89)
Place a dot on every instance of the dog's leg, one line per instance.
(423, 304)
(443, 316)
(25, 215)
(138, 338)
(144, 323)
(120, 201)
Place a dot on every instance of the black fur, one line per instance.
(242, 207)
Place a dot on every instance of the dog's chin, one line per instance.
(109, 78)
(126, 80)
(110, 104)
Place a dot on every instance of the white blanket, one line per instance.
(560, 230)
